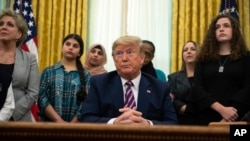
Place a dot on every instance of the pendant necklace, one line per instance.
(221, 67)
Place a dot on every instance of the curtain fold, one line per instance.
(244, 16)
(55, 19)
(190, 20)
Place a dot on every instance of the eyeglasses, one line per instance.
(119, 54)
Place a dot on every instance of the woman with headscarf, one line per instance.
(95, 60)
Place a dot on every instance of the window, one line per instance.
(148, 19)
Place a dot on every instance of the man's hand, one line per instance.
(130, 117)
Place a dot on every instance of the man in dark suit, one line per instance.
(106, 100)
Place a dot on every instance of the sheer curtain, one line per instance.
(148, 19)
(105, 25)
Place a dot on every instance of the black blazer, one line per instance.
(181, 88)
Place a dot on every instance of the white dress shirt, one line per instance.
(135, 90)
(9, 105)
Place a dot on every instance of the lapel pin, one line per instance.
(148, 91)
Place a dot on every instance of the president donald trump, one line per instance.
(127, 96)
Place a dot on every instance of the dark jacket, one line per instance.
(106, 97)
(181, 88)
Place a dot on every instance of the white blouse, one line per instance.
(9, 105)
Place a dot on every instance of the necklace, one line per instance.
(221, 67)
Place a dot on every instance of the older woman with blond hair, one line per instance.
(20, 65)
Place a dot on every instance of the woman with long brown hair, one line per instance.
(64, 85)
(222, 75)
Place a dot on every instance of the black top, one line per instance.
(5, 80)
(8, 68)
(181, 87)
(149, 69)
(230, 87)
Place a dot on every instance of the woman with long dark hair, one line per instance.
(222, 74)
(64, 85)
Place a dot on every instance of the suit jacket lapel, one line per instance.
(143, 96)
(183, 80)
(116, 92)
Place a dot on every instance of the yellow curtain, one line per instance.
(190, 20)
(54, 20)
(244, 16)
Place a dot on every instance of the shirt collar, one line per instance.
(59, 65)
(135, 81)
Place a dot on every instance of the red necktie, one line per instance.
(129, 96)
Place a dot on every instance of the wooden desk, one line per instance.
(27, 131)
(227, 124)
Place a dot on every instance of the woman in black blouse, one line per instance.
(181, 84)
(222, 75)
